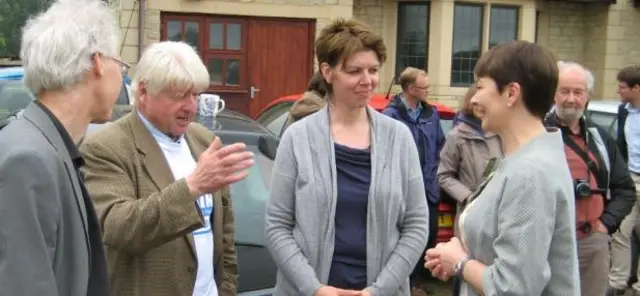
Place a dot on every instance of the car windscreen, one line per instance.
(249, 197)
(14, 96)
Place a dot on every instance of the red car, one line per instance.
(274, 117)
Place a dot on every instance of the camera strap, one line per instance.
(591, 163)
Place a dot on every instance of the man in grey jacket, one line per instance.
(50, 240)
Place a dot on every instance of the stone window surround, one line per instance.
(441, 32)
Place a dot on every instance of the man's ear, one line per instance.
(98, 64)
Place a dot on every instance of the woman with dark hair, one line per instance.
(347, 212)
(311, 101)
(518, 237)
(467, 155)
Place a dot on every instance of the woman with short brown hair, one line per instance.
(347, 212)
(518, 236)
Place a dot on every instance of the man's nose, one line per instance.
(192, 102)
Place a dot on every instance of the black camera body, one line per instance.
(582, 188)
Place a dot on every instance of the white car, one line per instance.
(605, 114)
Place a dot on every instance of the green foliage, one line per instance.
(13, 15)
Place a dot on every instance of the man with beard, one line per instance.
(629, 144)
(604, 190)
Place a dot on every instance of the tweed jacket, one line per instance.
(148, 217)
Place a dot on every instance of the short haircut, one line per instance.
(467, 107)
(630, 75)
(58, 44)
(170, 65)
(343, 38)
(409, 76)
(530, 65)
(316, 83)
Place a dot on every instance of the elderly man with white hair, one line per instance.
(50, 241)
(161, 185)
(604, 191)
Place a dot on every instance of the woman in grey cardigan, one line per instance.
(347, 213)
(518, 236)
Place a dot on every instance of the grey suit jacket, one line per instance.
(44, 245)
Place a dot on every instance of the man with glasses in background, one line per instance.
(423, 120)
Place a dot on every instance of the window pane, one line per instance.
(234, 36)
(503, 25)
(215, 71)
(233, 72)
(215, 36)
(276, 126)
(467, 42)
(413, 36)
(174, 30)
(192, 35)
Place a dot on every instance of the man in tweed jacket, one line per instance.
(161, 185)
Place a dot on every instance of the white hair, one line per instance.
(589, 80)
(58, 44)
(170, 65)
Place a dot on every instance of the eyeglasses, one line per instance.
(124, 66)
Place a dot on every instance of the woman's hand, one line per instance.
(442, 259)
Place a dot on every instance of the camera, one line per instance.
(582, 188)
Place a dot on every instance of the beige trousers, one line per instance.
(621, 246)
(593, 257)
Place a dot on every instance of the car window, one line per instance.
(273, 113)
(249, 196)
(606, 121)
(447, 125)
(123, 97)
(276, 126)
(14, 96)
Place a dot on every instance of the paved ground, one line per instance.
(439, 288)
(442, 289)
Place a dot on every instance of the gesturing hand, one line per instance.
(218, 167)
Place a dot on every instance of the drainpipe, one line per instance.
(142, 8)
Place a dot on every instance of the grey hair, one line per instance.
(170, 65)
(589, 80)
(58, 44)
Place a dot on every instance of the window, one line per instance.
(14, 96)
(277, 126)
(607, 121)
(256, 269)
(184, 30)
(504, 24)
(413, 36)
(275, 111)
(225, 52)
(467, 42)
(220, 42)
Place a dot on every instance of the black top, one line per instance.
(98, 280)
(349, 265)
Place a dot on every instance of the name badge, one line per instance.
(205, 202)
